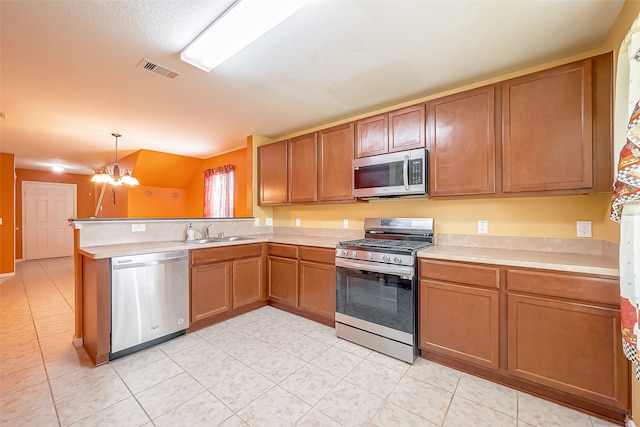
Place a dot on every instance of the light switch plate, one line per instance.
(138, 227)
(257, 222)
(583, 228)
(269, 222)
(345, 223)
(297, 222)
(483, 226)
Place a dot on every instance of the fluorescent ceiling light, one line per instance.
(236, 28)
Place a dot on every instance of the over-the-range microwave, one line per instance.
(394, 174)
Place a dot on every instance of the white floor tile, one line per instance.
(539, 412)
(302, 374)
(463, 412)
(502, 399)
(310, 383)
(392, 415)
(201, 411)
(350, 405)
(276, 407)
(337, 362)
(212, 372)
(153, 373)
(127, 412)
(168, 394)
(241, 389)
(425, 400)
(374, 378)
(278, 365)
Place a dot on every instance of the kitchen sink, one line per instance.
(219, 239)
(233, 238)
(200, 241)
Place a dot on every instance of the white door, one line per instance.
(46, 233)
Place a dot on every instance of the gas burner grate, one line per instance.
(386, 244)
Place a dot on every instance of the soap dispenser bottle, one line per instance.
(191, 235)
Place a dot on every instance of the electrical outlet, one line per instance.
(583, 228)
(345, 223)
(257, 222)
(297, 222)
(138, 227)
(268, 222)
(483, 226)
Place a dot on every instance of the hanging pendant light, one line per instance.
(104, 176)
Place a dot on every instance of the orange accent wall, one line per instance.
(157, 202)
(238, 158)
(157, 169)
(87, 195)
(7, 211)
(115, 202)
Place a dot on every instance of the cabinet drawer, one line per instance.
(207, 255)
(460, 273)
(285, 251)
(602, 290)
(323, 255)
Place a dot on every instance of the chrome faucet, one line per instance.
(206, 231)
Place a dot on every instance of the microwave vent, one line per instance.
(158, 69)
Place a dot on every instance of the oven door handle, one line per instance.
(376, 267)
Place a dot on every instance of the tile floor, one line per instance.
(265, 368)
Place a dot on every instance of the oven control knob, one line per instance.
(354, 254)
(386, 258)
(397, 260)
(369, 255)
(345, 253)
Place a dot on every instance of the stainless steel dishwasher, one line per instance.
(149, 300)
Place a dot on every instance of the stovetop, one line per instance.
(382, 244)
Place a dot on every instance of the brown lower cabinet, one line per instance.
(225, 281)
(317, 282)
(554, 334)
(302, 280)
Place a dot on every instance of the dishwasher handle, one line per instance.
(149, 263)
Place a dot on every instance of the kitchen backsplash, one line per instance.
(538, 244)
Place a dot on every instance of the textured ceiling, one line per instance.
(69, 77)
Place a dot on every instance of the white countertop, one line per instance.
(568, 262)
(110, 251)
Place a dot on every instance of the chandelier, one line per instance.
(114, 177)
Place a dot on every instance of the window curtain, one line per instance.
(218, 192)
(625, 204)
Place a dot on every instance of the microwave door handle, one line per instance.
(405, 173)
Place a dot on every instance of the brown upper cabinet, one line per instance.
(547, 122)
(303, 169)
(310, 168)
(335, 156)
(545, 133)
(462, 143)
(272, 173)
(398, 130)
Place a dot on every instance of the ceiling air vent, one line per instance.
(158, 69)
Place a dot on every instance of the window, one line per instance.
(218, 192)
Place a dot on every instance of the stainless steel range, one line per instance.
(376, 285)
